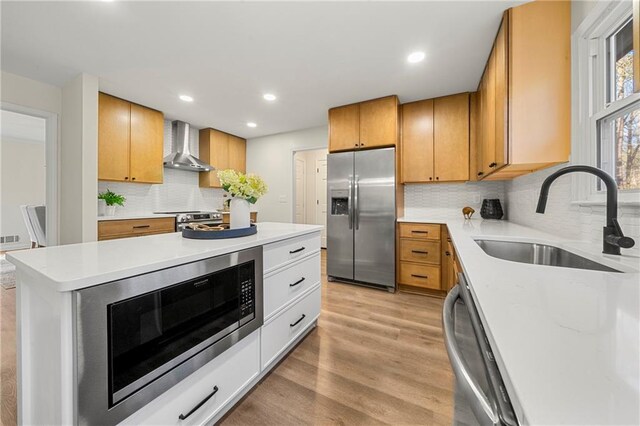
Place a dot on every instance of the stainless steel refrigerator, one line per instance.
(361, 217)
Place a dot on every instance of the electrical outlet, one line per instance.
(282, 199)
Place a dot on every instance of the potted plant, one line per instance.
(111, 199)
(244, 189)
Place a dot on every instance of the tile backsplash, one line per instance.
(563, 218)
(446, 198)
(179, 190)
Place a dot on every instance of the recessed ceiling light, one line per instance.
(251, 124)
(415, 57)
(186, 98)
(269, 97)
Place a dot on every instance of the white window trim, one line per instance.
(586, 46)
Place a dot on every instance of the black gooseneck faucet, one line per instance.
(612, 236)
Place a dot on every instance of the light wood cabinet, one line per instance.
(524, 121)
(369, 124)
(435, 140)
(130, 141)
(222, 151)
(417, 141)
(125, 228)
(422, 260)
(344, 128)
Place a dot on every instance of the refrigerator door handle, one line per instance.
(356, 213)
(470, 388)
(350, 202)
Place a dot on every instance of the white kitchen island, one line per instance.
(47, 328)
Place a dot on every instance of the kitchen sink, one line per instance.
(539, 254)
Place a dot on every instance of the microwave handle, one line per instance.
(470, 388)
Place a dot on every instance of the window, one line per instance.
(606, 121)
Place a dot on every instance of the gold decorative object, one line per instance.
(467, 212)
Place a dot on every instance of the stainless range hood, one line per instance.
(180, 156)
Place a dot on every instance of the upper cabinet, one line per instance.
(524, 97)
(130, 141)
(435, 140)
(222, 151)
(370, 124)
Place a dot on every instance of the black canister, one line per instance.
(491, 209)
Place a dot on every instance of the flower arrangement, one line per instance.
(249, 187)
(111, 198)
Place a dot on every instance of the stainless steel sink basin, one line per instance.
(539, 254)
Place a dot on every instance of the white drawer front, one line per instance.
(285, 285)
(231, 371)
(288, 325)
(277, 254)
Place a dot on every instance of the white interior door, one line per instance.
(321, 198)
(300, 192)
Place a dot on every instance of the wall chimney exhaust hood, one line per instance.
(180, 157)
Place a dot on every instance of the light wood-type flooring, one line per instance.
(375, 358)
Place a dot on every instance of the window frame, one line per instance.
(590, 97)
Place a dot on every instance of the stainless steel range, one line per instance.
(183, 218)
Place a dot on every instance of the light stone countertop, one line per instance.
(75, 266)
(567, 341)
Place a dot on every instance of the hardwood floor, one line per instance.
(375, 358)
(8, 404)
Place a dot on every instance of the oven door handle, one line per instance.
(200, 404)
(470, 388)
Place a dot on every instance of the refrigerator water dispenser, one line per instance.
(339, 203)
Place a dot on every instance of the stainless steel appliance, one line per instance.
(180, 156)
(183, 218)
(361, 217)
(481, 397)
(137, 337)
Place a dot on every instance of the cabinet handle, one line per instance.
(480, 173)
(419, 276)
(133, 178)
(447, 253)
(493, 165)
(430, 178)
(297, 282)
(141, 226)
(419, 251)
(200, 404)
(296, 250)
(357, 144)
(126, 178)
(419, 232)
(437, 178)
(298, 322)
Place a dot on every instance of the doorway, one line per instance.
(28, 168)
(310, 189)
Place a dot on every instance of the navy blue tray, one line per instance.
(217, 235)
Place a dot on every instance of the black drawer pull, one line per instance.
(447, 253)
(419, 251)
(420, 276)
(298, 322)
(419, 232)
(296, 250)
(200, 404)
(141, 226)
(297, 282)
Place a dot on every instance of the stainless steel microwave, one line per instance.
(138, 337)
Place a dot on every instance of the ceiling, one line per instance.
(312, 55)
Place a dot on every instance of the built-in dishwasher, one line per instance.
(480, 395)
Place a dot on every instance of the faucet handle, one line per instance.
(618, 239)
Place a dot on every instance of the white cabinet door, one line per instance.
(289, 283)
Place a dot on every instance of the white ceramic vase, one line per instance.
(239, 214)
(110, 210)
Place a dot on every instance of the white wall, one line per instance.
(179, 190)
(271, 157)
(79, 161)
(22, 181)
